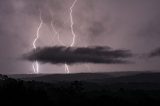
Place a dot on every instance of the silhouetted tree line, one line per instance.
(75, 93)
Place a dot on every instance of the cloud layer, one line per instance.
(155, 53)
(72, 55)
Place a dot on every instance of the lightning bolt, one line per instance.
(72, 31)
(36, 64)
(59, 40)
(72, 23)
(55, 31)
(66, 68)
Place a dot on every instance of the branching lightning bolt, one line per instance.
(36, 64)
(59, 40)
(72, 31)
(55, 31)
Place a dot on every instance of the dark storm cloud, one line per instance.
(155, 53)
(72, 55)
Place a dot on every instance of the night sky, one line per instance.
(132, 25)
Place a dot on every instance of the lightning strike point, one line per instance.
(36, 67)
(67, 69)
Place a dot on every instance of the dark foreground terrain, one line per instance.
(96, 89)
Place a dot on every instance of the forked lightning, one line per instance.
(36, 64)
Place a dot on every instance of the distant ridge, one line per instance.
(110, 77)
